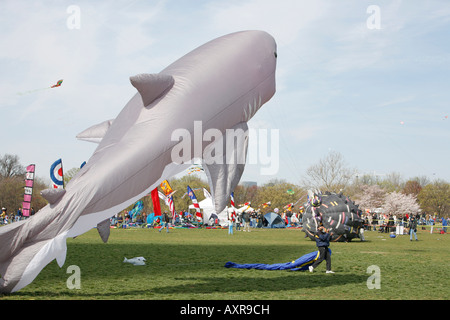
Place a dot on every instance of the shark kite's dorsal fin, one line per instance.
(53, 195)
(104, 229)
(151, 86)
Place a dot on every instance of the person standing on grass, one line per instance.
(444, 224)
(322, 238)
(165, 222)
(231, 218)
(246, 218)
(412, 228)
(238, 221)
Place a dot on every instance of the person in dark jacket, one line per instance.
(412, 228)
(165, 220)
(322, 237)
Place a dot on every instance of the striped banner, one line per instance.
(28, 190)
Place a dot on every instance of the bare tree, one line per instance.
(10, 167)
(329, 174)
(392, 182)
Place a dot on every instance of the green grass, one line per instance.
(188, 264)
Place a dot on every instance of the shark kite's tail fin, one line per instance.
(23, 259)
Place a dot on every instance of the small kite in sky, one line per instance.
(58, 84)
(195, 168)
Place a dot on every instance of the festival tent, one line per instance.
(207, 208)
(274, 220)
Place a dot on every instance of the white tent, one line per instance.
(207, 208)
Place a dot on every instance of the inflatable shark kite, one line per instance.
(212, 90)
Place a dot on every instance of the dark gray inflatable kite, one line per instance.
(335, 212)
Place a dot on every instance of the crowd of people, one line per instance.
(242, 221)
(10, 217)
(255, 219)
(383, 222)
(373, 221)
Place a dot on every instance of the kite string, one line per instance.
(31, 91)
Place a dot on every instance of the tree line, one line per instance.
(391, 192)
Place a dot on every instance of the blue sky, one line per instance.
(379, 96)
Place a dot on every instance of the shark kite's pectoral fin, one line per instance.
(96, 132)
(152, 86)
(53, 195)
(60, 250)
(224, 163)
(104, 229)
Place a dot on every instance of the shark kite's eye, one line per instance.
(275, 54)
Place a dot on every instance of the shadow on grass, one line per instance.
(218, 285)
(166, 273)
(260, 284)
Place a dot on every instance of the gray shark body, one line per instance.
(221, 84)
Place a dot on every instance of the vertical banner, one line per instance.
(165, 186)
(28, 190)
(156, 204)
(233, 214)
(194, 202)
(168, 200)
(56, 174)
(232, 200)
(168, 192)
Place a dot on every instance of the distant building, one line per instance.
(249, 184)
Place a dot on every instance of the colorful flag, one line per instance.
(288, 206)
(266, 204)
(156, 204)
(171, 206)
(233, 214)
(194, 201)
(165, 186)
(56, 174)
(232, 200)
(28, 191)
(168, 200)
(137, 209)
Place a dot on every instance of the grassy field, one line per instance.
(188, 264)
